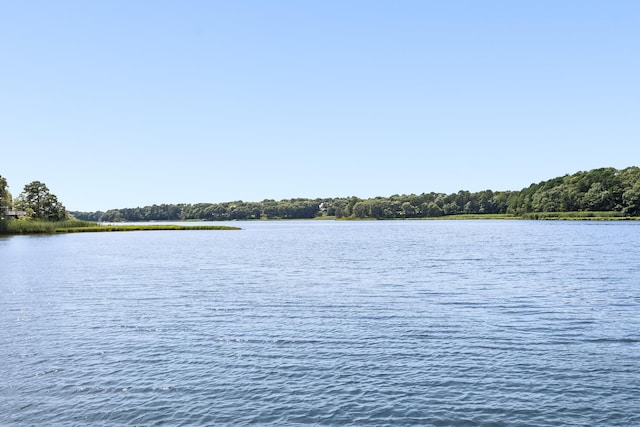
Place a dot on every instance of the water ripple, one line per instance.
(396, 323)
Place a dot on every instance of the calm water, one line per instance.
(335, 323)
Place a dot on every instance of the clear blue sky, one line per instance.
(128, 103)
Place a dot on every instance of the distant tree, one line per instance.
(605, 189)
(431, 209)
(40, 203)
(360, 210)
(112, 215)
(451, 208)
(88, 216)
(597, 198)
(631, 199)
(408, 210)
(348, 210)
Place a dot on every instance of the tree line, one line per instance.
(604, 189)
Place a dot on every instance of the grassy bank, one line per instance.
(593, 216)
(11, 227)
(436, 218)
(476, 216)
(39, 227)
(544, 216)
(110, 228)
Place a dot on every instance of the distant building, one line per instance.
(12, 213)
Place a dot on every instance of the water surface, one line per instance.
(322, 322)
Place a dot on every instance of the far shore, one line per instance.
(25, 227)
(542, 216)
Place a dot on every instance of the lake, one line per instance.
(512, 323)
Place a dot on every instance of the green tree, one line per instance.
(360, 210)
(431, 209)
(597, 198)
(631, 199)
(5, 196)
(408, 210)
(40, 203)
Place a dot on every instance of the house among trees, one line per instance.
(11, 213)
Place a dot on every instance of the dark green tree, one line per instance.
(605, 189)
(631, 199)
(5, 196)
(40, 203)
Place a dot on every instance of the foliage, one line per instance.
(598, 190)
(40, 203)
(5, 196)
(604, 189)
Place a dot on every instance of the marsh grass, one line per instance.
(8, 227)
(587, 215)
(112, 228)
(584, 216)
(435, 218)
(39, 227)
(476, 216)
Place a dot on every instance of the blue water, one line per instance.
(512, 323)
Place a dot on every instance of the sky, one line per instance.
(118, 103)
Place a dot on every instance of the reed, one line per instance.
(39, 227)
(585, 215)
(474, 216)
(8, 227)
(159, 227)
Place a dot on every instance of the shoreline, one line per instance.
(20, 228)
(17, 228)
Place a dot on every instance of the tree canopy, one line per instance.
(605, 189)
(39, 203)
(5, 196)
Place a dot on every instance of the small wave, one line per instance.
(614, 340)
